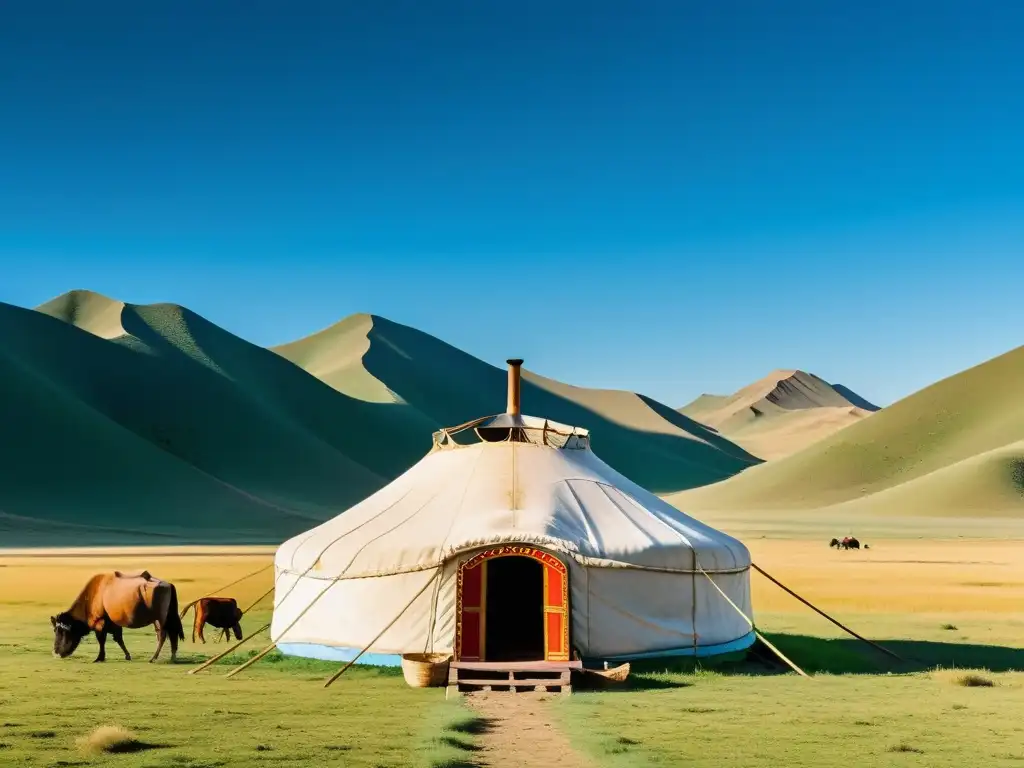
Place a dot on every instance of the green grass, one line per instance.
(275, 713)
(859, 707)
(732, 717)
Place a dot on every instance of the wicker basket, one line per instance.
(604, 678)
(425, 670)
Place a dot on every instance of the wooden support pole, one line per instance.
(295, 621)
(780, 654)
(259, 600)
(380, 634)
(252, 661)
(750, 621)
(220, 656)
(822, 613)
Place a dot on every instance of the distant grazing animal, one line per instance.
(220, 612)
(834, 543)
(113, 601)
(849, 542)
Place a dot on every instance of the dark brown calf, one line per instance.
(220, 612)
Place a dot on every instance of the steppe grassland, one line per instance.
(940, 603)
(275, 713)
(944, 602)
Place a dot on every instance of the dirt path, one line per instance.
(521, 732)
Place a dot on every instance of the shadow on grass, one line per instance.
(851, 656)
(644, 680)
(470, 727)
(473, 726)
(132, 746)
(456, 743)
(840, 656)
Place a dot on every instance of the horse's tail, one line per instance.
(174, 628)
(183, 611)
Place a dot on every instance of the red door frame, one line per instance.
(471, 603)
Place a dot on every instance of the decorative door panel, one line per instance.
(471, 603)
(470, 629)
(556, 613)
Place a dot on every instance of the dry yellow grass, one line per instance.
(110, 738)
(966, 678)
(894, 576)
(47, 583)
(898, 576)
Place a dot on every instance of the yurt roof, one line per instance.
(528, 481)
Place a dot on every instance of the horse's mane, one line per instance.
(80, 607)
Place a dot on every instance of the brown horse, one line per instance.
(112, 601)
(220, 612)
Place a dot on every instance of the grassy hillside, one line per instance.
(954, 448)
(368, 356)
(176, 428)
(124, 423)
(782, 413)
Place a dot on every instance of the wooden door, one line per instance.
(471, 603)
(471, 632)
(556, 610)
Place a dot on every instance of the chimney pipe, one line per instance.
(514, 404)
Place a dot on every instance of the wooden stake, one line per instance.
(220, 656)
(781, 655)
(821, 612)
(295, 621)
(252, 661)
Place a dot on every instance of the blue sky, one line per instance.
(669, 197)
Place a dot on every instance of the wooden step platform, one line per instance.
(511, 676)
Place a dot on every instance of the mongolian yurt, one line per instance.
(512, 541)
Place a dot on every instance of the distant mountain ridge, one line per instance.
(781, 413)
(954, 449)
(148, 423)
(645, 440)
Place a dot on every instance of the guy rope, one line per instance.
(821, 612)
(226, 586)
(806, 602)
(750, 621)
(380, 634)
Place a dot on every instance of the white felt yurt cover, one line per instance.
(639, 570)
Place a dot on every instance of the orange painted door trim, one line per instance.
(471, 603)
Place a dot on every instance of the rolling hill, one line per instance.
(149, 424)
(369, 356)
(782, 413)
(954, 449)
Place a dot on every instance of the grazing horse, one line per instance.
(849, 542)
(220, 612)
(112, 601)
